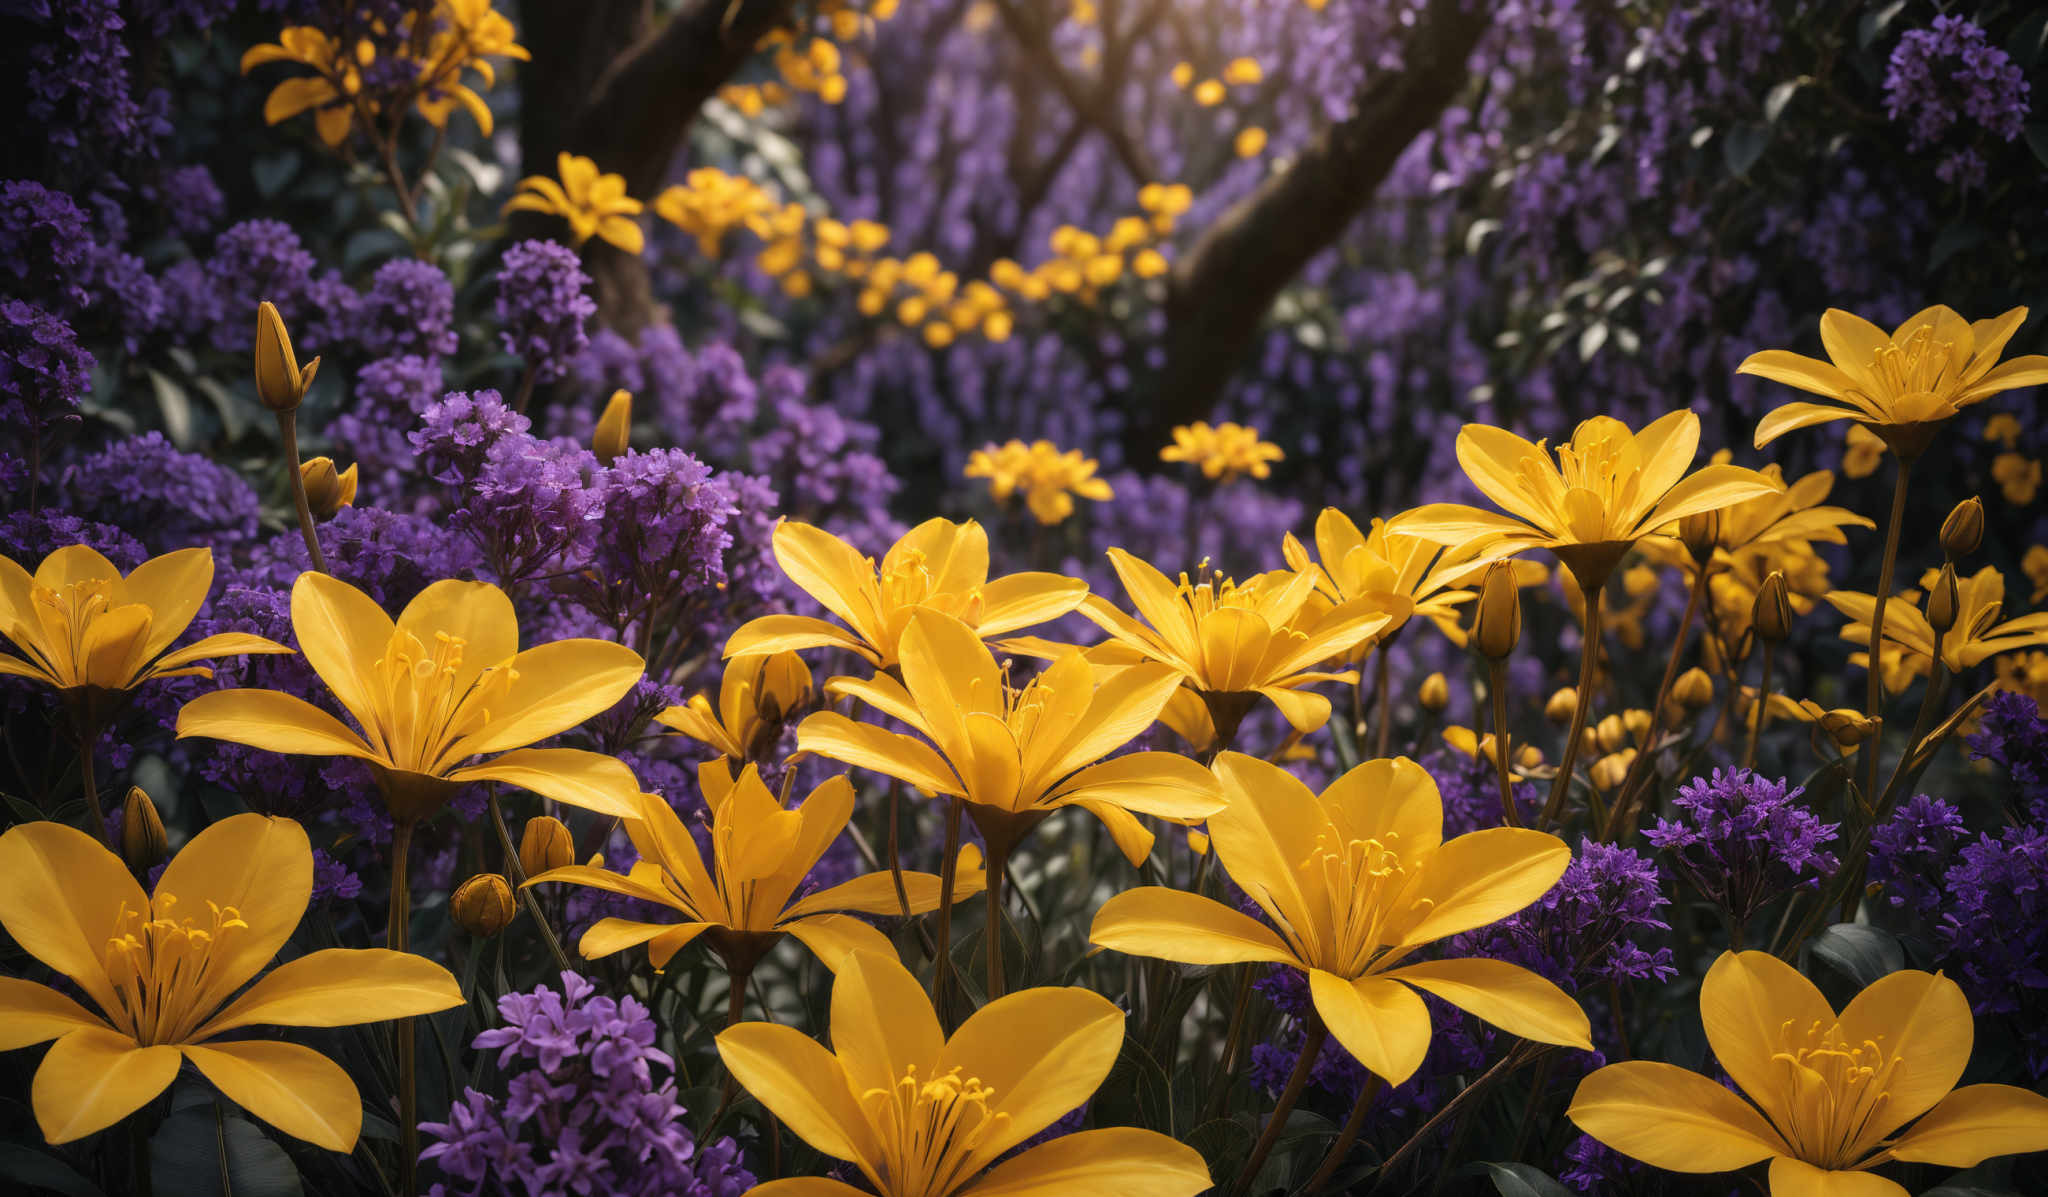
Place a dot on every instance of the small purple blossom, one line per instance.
(410, 310)
(1910, 851)
(1743, 840)
(542, 306)
(456, 434)
(1592, 926)
(2013, 734)
(168, 498)
(254, 261)
(1941, 76)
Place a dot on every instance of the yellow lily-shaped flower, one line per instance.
(1975, 637)
(742, 903)
(444, 684)
(1049, 478)
(594, 203)
(1831, 1092)
(1232, 642)
(1354, 880)
(1607, 489)
(939, 565)
(1405, 575)
(331, 91)
(1796, 515)
(756, 697)
(468, 34)
(1225, 452)
(1902, 386)
(160, 969)
(924, 1115)
(85, 630)
(1016, 756)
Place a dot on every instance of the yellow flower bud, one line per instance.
(1528, 756)
(614, 428)
(1498, 624)
(326, 491)
(544, 844)
(1963, 530)
(1942, 600)
(1435, 694)
(1562, 706)
(280, 383)
(1611, 734)
(143, 842)
(483, 905)
(1847, 728)
(1694, 689)
(1771, 616)
(1610, 771)
(1637, 721)
(1699, 534)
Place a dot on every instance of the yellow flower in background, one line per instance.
(1832, 1092)
(84, 629)
(2034, 564)
(1016, 756)
(1797, 512)
(938, 565)
(159, 970)
(1901, 385)
(1406, 576)
(444, 684)
(331, 91)
(1863, 452)
(595, 204)
(467, 35)
(708, 204)
(742, 904)
(2018, 477)
(1976, 635)
(1355, 880)
(756, 697)
(924, 1115)
(1225, 453)
(613, 435)
(1259, 638)
(1049, 478)
(1607, 489)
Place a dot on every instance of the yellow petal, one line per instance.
(1672, 1119)
(955, 555)
(1268, 826)
(1169, 924)
(829, 570)
(1115, 1162)
(172, 586)
(1153, 783)
(1792, 416)
(112, 649)
(94, 1077)
(950, 674)
(1159, 604)
(554, 687)
(61, 898)
(340, 987)
(343, 632)
(476, 613)
(1666, 446)
(802, 1084)
(2028, 371)
(882, 1023)
(609, 935)
(1747, 1001)
(32, 1013)
(1027, 599)
(1797, 1178)
(1304, 711)
(1456, 524)
(804, 1186)
(1923, 1020)
(1380, 1022)
(1112, 715)
(875, 893)
(1798, 370)
(835, 939)
(1711, 488)
(590, 780)
(785, 633)
(1509, 996)
(1492, 458)
(263, 868)
(1477, 879)
(79, 563)
(1393, 801)
(293, 1088)
(221, 644)
(270, 720)
(1130, 836)
(832, 735)
(1975, 1123)
(1852, 343)
(1044, 1052)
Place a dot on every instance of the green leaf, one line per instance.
(176, 407)
(1876, 21)
(36, 1172)
(1957, 237)
(2037, 141)
(1858, 951)
(189, 1151)
(2028, 39)
(1517, 1180)
(1745, 144)
(1779, 96)
(274, 171)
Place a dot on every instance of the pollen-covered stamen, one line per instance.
(1363, 878)
(1920, 365)
(930, 1128)
(1838, 1089)
(908, 581)
(66, 612)
(160, 966)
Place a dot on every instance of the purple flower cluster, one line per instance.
(542, 306)
(586, 1108)
(390, 396)
(667, 526)
(81, 92)
(1910, 851)
(30, 536)
(1743, 840)
(1993, 931)
(1950, 72)
(43, 374)
(170, 498)
(44, 242)
(2014, 735)
(1590, 927)
(456, 434)
(531, 507)
(254, 261)
(409, 311)
(1470, 789)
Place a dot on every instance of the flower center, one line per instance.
(158, 963)
(66, 612)
(1921, 365)
(931, 1128)
(429, 699)
(1838, 1088)
(1364, 879)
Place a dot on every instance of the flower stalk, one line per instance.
(1589, 668)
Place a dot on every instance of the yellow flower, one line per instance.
(161, 968)
(756, 697)
(709, 203)
(1975, 636)
(1355, 880)
(742, 903)
(1016, 756)
(327, 492)
(1831, 1092)
(85, 630)
(1249, 142)
(2034, 564)
(1225, 452)
(468, 33)
(922, 1115)
(1226, 639)
(1607, 489)
(1049, 478)
(1902, 386)
(939, 565)
(444, 684)
(2018, 477)
(594, 204)
(331, 91)
(1405, 576)
(613, 435)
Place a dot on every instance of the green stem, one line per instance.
(396, 938)
(1311, 1046)
(1589, 669)
(1508, 817)
(1464, 1098)
(1761, 711)
(1233, 1041)
(517, 871)
(998, 861)
(288, 428)
(1348, 1135)
(1873, 701)
(1383, 681)
(948, 875)
(88, 777)
(1640, 770)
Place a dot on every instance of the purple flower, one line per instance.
(1591, 926)
(410, 310)
(1470, 789)
(1743, 840)
(254, 261)
(531, 506)
(390, 396)
(43, 373)
(1941, 76)
(1993, 932)
(1910, 850)
(44, 244)
(30, 536)
(542, 306)
(168, 498)
(664, 534)
(2014, 735)
(191, 201)
(456, 434)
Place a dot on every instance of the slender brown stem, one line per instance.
(1382, 681)
(1589, 669)
(1641, 770)
(1348, 1135)
(396, 938)
(1761, 711)
(1233, 1041)
(1465, 1097)
(948, 875)
(896, 848)
(288, 428)
(1311, 1046)
(992, 938)
(517, 871)
(1508, 817)
(88, 778)
(1873, 700)
(525, 394)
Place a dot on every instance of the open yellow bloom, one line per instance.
(331, 91)
(85, 630)
(922, 1115)
(1405, 576)
(1356, 879)
(444, 684)
(1016, 756)
(760, 853)
(708, 204)
(938, 565)
(1831, 1091)
(1049, 478)
(1976, 636)
(160, 968)
(755, 698)
(594, 203)
(1607, 489)
(468, 33)
(1239, 640)
(1225, 452)
(1902, 386)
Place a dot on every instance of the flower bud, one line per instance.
(1847, 728)
(1699, 534)
(1694, 689)
(143, 842)
(280, 383)
(614, 428)
(1637, 721)
(785, 687)
(1943, 601)
(1771, 616)
(1528, 756)
(1498, 623)
(483, 905)
(545, 844)
(1435, 694)
(1562, 706)
(1963, 530)
(326, 491)
(1611, 734)
(1610, 771)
